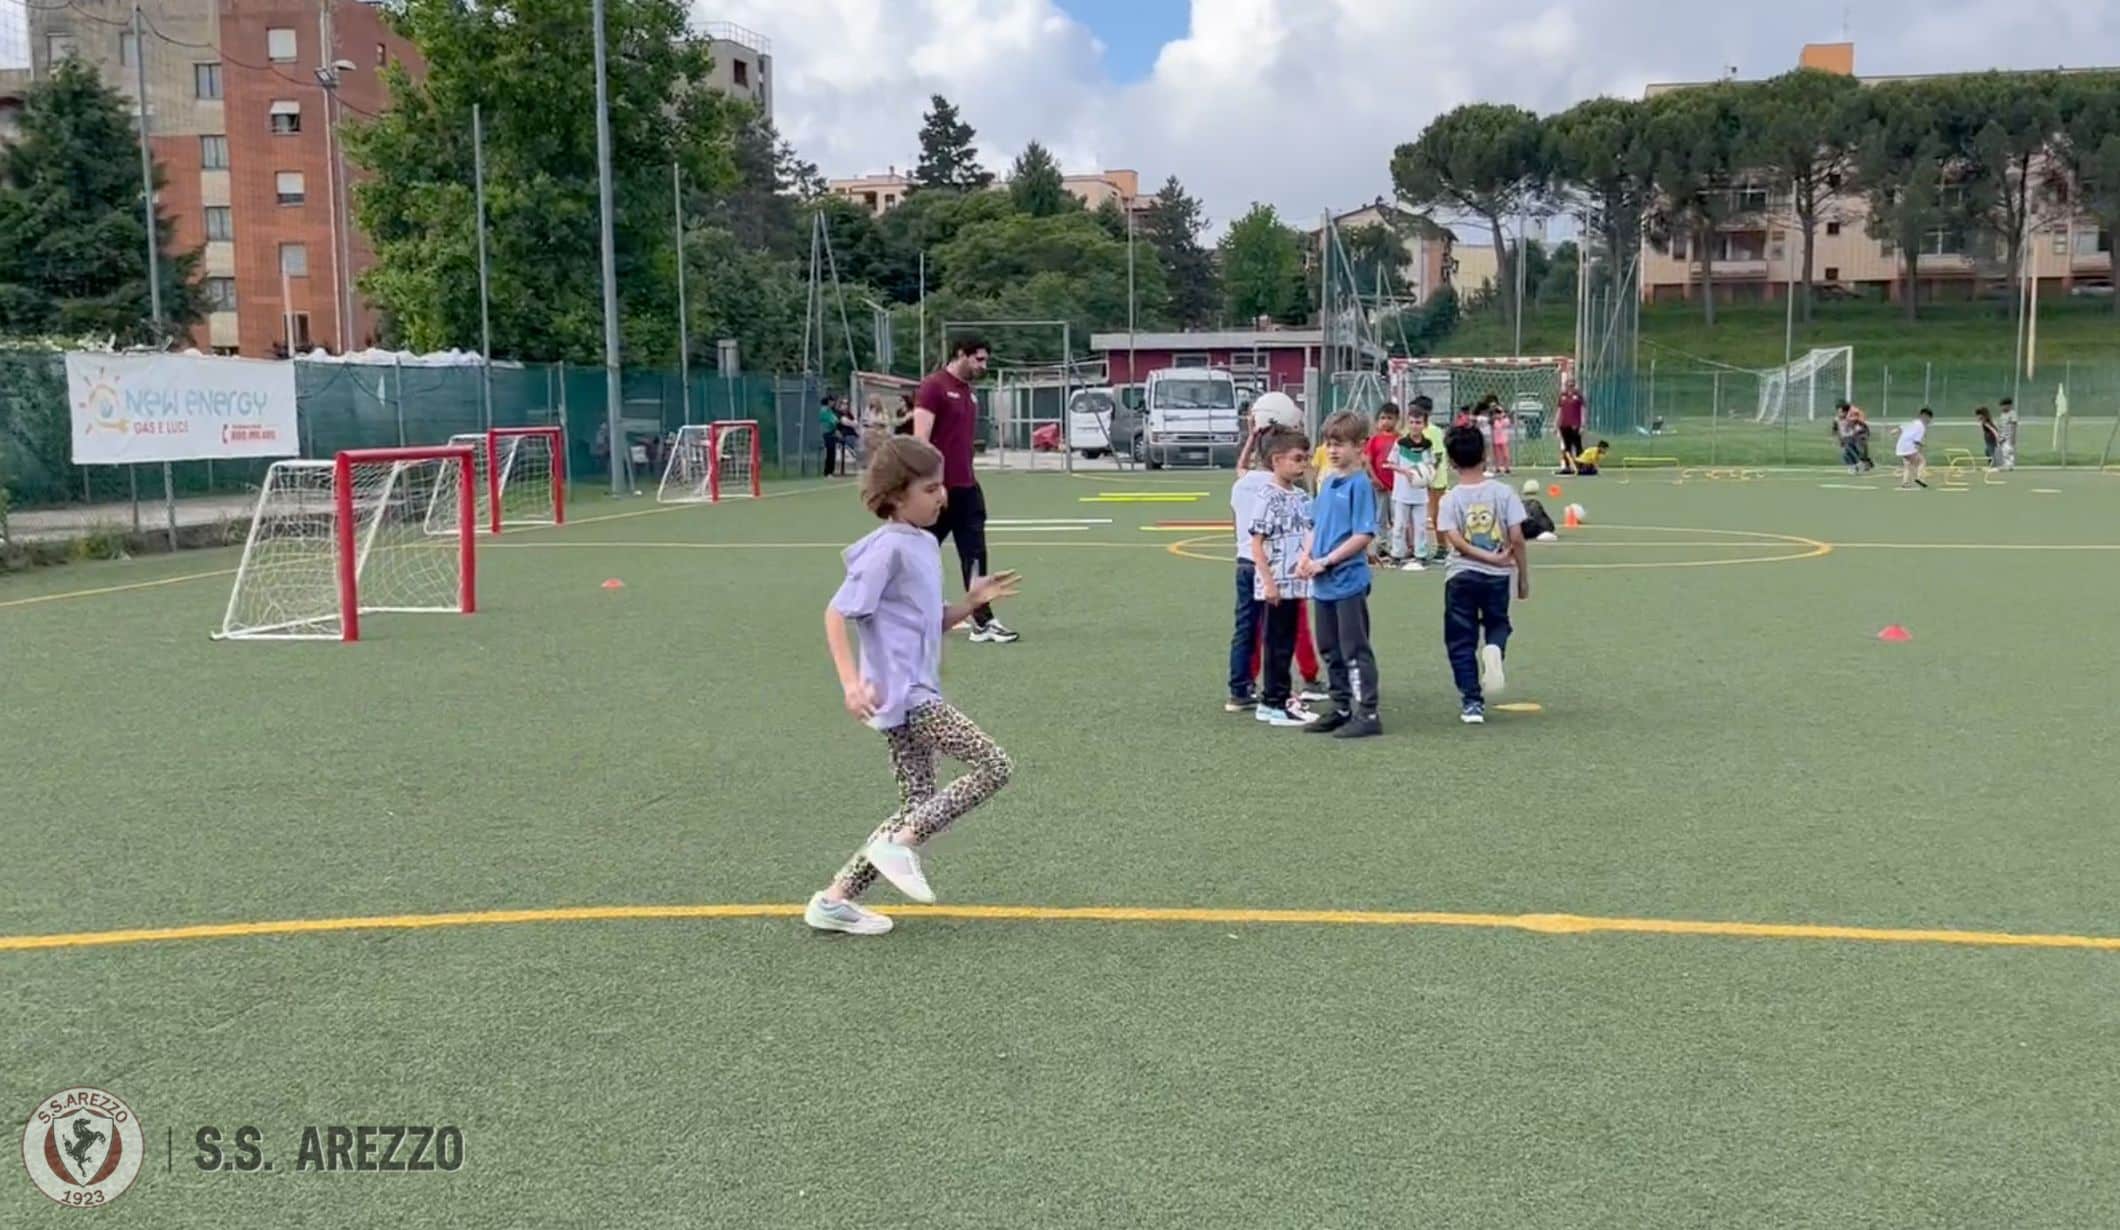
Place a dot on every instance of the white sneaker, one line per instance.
(1413, 565)
(1283, 717)
(901, 866)
(1313, 691)
(995, 633)
(1491, 679)
(844, 916)
(1549, 536)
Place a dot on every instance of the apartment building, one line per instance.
(879, 194)
(1758, 253)
(1433, 256)
(243, 98)
(743, 64)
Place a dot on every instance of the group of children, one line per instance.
(1319, 545)
(1305, 543)
(1910, 446)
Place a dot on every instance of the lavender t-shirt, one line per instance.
(893, 594)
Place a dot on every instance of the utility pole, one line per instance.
(614, 419)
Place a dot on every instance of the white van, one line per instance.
(1190, 418)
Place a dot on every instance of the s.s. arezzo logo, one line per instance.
(83, 1147)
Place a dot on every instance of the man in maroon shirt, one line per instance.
(1571, 425)
(944, 413)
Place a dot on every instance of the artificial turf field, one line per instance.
(1723, 740)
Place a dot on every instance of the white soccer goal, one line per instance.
(1529, 389)
(1808, 387)
(334, 540)
(712, 462)
(519, 477)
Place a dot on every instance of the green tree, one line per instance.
(2089, 149)
(528, 63)
(926, 221)
(761, 204)
(1376, 253)
(1112, 217)
(73, 236)
(2009, 123)
(1801, 127)
(1484, 159)
(1602, 162)
(1699, 143)
(947, 157)
(1263, 269)
(1904, 158)
(1036, 185)
(1172, 223)
(1061, 267)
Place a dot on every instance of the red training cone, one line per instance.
(614, 583)
(1569, 521)
(1895, 634)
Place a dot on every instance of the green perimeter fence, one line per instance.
(1707, 415)
(372, 405)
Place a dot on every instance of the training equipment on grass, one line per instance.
(1528, 388)
(1627, 465)
(1574, 517)
(1530, 486)
(1895, 633)
(519, 475)
(614, 583)
(333, 540)
(1553, 492)
(712, 462)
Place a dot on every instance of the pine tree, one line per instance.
(73, 242)
(947, 157)
(1036, 185)
(1172, 223)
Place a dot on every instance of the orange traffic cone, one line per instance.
(1569, 521)
(614, 583)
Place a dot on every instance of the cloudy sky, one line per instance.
(1299, 103)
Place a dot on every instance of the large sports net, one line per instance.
(1528, 389)
(1808, 388)
(373, 511)
(531, 485)
(711, 462)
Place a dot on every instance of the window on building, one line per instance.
(58, 46)
(220, 294)
(1191, 359)
(1943, 241)
(286, 117)
(2061, 244)
(206, 80)
(294, 259)
(869, 199)
(280, 43)
(741, 71)
(128, 48)
(1833, 182)
(1749, 199)
(288, 185)
(1832, 228)
(213, 153)
(1832, 273)
(298, 325)
(220, 222)
(226, 352)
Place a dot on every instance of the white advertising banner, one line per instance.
(166, 407)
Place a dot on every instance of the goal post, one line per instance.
(333, 540)
(1528, 388)
(519, 475)
(1809, 386)
(712, 462)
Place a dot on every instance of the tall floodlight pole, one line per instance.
(684, 364)
(614, 421)
(154, 255)
(1130, 377)
(485, 316)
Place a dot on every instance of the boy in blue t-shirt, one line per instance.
(1344, 523)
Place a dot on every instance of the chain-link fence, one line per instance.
(373, 405)
(1710, 415)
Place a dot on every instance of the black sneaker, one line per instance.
(1240, 704)
(1360, 728)
(1331, 722)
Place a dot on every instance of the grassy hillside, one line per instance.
(1750, 335)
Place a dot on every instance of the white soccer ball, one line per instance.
(1530, 486)
(1580, 515)
(1276, 408)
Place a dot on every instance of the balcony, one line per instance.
(730, 32)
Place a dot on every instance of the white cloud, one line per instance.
(1300, 103)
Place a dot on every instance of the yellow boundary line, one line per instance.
(1812, 549)
(1537, 924)
(115, 589)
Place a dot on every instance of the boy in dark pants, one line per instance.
(1483, 522)
(1344, 523)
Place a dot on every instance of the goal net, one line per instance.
(518, 478)
(711, 462)
(1528, 389)
(1808, 387)
(333, 540)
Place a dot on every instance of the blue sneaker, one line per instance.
(1473, 714)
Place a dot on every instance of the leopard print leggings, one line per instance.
(923, 812)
